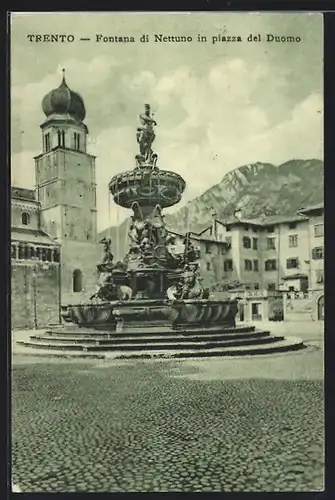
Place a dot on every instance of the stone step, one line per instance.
(74, 331)
(170, 337)
(280, 346)
(32, 351)
(182, 344)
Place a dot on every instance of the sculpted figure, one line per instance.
(174, 292)
(108, 291)
(145, 134)
(108, 257)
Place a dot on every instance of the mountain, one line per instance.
(255, 189)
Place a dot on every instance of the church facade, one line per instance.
(62, 210)
(35, 265)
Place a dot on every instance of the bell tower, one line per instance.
(66, 189)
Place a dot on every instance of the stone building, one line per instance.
(66, 191)
(276, 253)
(35, 265)
(212, 252)
(315, 214)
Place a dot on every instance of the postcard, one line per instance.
(167, 252)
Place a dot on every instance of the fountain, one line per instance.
(153, 302)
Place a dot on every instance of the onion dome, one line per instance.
(64, 101)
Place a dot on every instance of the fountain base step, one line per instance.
(158, 342)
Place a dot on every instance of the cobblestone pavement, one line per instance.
(157, 426)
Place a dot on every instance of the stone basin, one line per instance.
(90, 314)
(179, 314)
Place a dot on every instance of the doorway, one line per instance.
(256, 311)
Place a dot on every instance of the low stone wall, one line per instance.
(34, 296)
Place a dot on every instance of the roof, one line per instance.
(311, 208)
(197, 237)
(295, 276)
(32, 236)
(263, 221)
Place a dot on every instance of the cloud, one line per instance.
(209, 122)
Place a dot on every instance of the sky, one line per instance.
(218, 106)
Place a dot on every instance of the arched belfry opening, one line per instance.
(77, 280)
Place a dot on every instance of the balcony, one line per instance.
(255, 294)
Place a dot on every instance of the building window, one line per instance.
(255, 229)
(256, 286)
(228, 240)
(319, 276)
(246, 227)
(256, 268)
(228, 265)
(292, 264)
(255, 243)
(208, 248)
(248, 265)
(292, 225)
(318, 253)
(25, 218)
(270, 243)
(228, 228)
(208, 266)
(270, 229)
(271, 286)
(318, 230)
(293, 241)
(246, 242)
(77, 280)
(270, 265)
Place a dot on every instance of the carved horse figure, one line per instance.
(107, 290)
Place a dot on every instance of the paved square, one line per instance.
(247, 424)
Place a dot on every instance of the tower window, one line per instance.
(77, 280)
(25, 218)
(61, 138)
(76, 138)
(47, 142)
